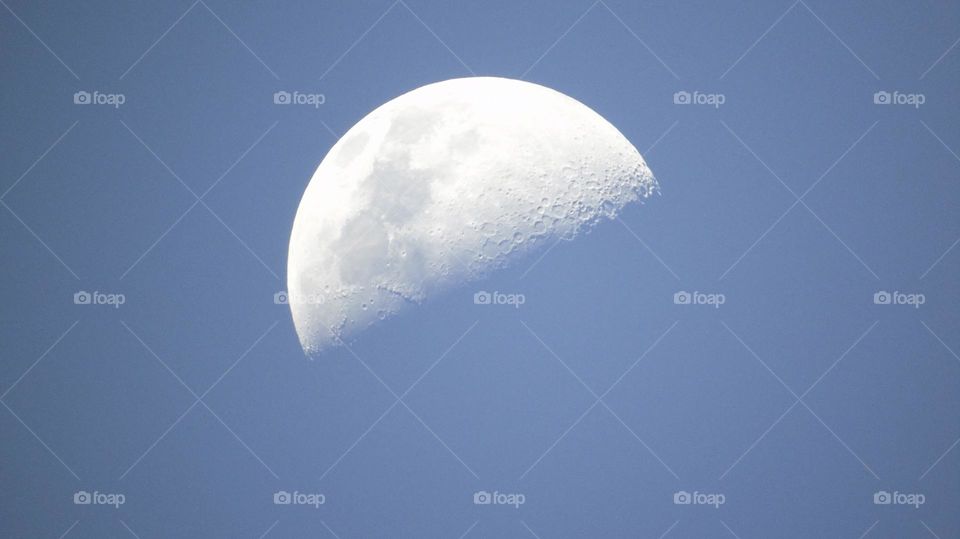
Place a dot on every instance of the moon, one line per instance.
(440, 187)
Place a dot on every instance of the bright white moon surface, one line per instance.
(443, 185)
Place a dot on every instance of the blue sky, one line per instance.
(797, 200)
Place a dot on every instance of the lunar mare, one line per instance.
(443, 185)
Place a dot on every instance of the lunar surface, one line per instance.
(440, 187)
